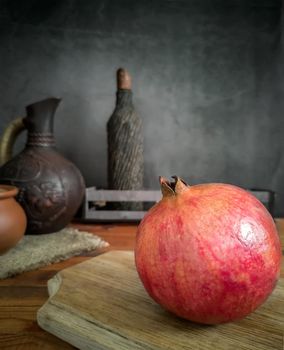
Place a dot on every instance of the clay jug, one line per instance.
(51, 188)
(13, 220)
(125, 143)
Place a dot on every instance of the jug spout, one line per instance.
(40, 116)
(39, 122)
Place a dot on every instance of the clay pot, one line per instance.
(13, 221)
(51, 187)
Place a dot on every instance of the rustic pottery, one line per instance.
(51, 187)
(125, 142)
(13, 220)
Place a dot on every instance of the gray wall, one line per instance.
(208, 82)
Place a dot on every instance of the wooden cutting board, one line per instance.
(101, 304)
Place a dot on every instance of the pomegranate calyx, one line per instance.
(166, 187)
(180, 185)
(174, 188)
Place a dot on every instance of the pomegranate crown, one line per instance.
(173, 188)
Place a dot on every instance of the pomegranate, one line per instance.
(208, 253)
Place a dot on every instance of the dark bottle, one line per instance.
(51, 187)
(125, 143)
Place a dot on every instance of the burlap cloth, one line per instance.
(35, 251)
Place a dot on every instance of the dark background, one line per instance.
(207, 79)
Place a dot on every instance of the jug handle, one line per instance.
(8, 139)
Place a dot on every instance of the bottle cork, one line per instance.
(123, 79)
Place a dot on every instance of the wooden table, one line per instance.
(22, 296)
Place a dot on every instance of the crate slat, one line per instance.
(112, 215)
(93, 194)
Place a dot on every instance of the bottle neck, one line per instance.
(123, 98)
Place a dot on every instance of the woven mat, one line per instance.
(35, 251)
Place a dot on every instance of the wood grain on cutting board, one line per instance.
(101, 304)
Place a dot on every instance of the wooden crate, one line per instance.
(100, 198)
(95, 208)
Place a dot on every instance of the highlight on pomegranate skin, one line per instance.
(208, 253)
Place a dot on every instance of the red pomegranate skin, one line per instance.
(210, 254)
